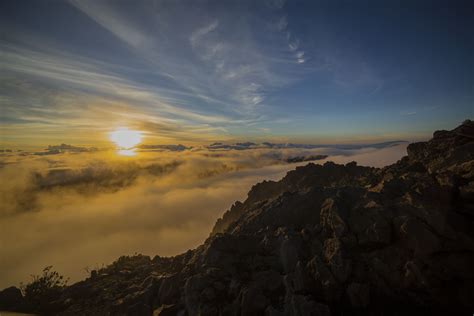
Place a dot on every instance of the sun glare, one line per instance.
(125, 138)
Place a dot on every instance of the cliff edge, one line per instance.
(324, 240)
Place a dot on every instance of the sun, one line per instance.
(125, 138)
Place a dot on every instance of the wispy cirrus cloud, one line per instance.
(45, 92)
(87, 76)
(228, 67)
(214, 75)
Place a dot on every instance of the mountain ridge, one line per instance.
(324, 240)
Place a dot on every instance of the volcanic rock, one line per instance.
(324, 240)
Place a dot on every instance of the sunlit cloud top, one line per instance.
(225, 70)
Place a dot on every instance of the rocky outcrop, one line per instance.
(325, 240)
(11, 298)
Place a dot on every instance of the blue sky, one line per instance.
(201, 71)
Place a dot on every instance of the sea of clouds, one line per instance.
(74, 207)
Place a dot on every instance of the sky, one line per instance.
(203, 71)
(262, 80)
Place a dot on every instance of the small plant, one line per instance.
(44, 289)
(97, 268)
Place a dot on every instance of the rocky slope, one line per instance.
(325, 240)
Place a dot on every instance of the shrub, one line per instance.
(44, 290)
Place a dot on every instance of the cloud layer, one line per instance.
(77, 209)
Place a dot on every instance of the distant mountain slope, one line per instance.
(326, 239)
